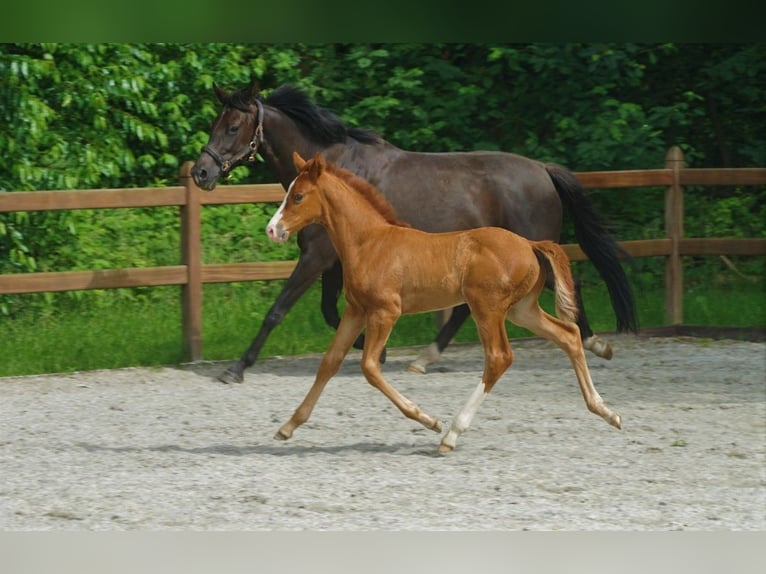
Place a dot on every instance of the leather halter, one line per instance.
(226, 165)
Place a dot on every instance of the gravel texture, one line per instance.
(172, 449)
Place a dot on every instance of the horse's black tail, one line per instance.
(598, 245)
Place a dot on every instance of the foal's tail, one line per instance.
(566, 304)
(598, 245)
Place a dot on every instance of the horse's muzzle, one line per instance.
(203, 178)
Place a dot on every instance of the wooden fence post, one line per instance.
(191, 256)
(674, 230)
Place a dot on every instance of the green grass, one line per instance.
(118, 332)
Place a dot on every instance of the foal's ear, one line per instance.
(317, 166)
(298, 161)
(320, 162)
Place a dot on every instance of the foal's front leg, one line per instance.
(351, 325)
(379, 325)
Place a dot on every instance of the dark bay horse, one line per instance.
(392, 269)
(463, 191)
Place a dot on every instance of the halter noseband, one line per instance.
(227, 165)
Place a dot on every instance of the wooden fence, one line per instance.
(191, 274)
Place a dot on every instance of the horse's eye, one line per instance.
(233, 129)
(297, 197)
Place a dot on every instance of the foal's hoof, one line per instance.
(445, 448)
(282, 435)
(230, 376)
(598, 347)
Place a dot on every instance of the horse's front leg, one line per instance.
(448, 331)
(379, 326)
(332, 285)
(350, 326)
(317, 255)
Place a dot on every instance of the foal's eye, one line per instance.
(297, 197)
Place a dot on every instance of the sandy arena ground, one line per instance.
(171, 449)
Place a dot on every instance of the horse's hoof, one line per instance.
(230, 376)
(416, 368)
(445, 448)
(598, 347)
(437, 426)
(426, 357)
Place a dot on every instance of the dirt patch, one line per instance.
(170, 449)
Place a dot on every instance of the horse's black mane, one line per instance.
(316, 123)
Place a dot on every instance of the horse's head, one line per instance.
(302, 204)
(234, 137)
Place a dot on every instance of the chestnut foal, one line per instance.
(392, 269)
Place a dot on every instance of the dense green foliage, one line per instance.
(79, 116)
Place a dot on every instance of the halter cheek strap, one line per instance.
(226, 165)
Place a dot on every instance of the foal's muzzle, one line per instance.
(277, 233)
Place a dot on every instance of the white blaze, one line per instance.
(274, 228)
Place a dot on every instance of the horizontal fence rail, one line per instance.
(192, 273)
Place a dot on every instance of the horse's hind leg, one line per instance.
(498, 356)
(595, 344)
(448, 331)
(349, 328)
(527, 313)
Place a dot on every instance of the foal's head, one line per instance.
(302, 204)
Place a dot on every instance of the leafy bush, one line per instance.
(83, 116)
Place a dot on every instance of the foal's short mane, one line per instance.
(368, 192)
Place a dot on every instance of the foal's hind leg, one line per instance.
(498, 356)
(595, 344)
(527, 313)
(351, 325)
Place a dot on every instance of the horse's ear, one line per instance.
(255, 89)
(298, 161)
(220, 93)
